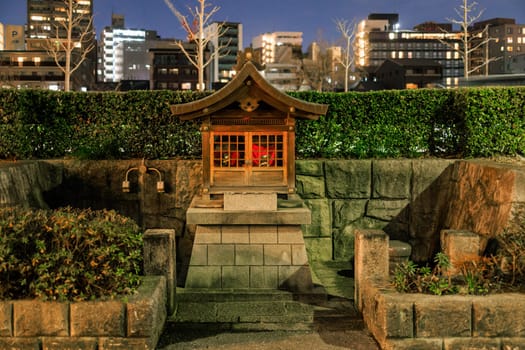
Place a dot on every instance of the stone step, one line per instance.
(247, 310)
(318, 294)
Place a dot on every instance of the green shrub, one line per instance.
(68, 254)
(473, 122)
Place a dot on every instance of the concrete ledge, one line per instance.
(217, 216)
(135, 323)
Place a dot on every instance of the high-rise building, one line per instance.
(228, 43)
(122, 51)
(274, 46)
(505, 47)
(379, 38)
(44, 18)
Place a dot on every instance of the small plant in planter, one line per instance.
(68, 254)
(501, 271)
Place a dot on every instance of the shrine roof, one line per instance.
(248, 88)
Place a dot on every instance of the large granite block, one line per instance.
(348, 178)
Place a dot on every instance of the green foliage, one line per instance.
(139, 124)
(67, 254)
(409, 278)
(511, 255)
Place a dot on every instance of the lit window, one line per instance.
(186, 86)
(509, 48)
(509, 40)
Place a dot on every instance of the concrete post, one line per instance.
(371, 259)
(160, 259)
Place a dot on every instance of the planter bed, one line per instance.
(421, 321)
(133, 322)
(427, 322)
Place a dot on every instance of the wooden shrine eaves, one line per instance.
(248, 88)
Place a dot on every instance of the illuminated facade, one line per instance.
(123, 53)
(270, 46)
(44, 18)
(507, 46)
(229, 43)
(380, 39)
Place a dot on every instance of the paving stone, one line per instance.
(235, 234)
(204, 277)
(221, 254)
(291, 234)
(69, 343)
(264, 277)
(6, 317)
(435, 314)
(496, 316)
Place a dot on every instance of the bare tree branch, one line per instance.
(201, 17)
(469, 41)
(62, 49)
(348, 30)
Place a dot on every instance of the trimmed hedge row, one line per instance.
(402, 123)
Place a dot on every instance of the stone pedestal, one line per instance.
(249, 249)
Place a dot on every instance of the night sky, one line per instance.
(315, 18)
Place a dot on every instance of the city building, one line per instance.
(276, 47)
(379, 38)
(409, 73)
(123, 52)
(506, 44)
(44, 18)
(281, 54)
(171, 69)
(25, 62)
(229, 43)
(29, 69)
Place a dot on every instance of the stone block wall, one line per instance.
(411, 200)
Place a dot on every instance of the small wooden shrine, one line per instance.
(243, 237)
(248, 134)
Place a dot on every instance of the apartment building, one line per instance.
(29, 69)
(171, 69)
(227, 38)
(379, 38)
(505, 48)
(123, 52)
(44, 18)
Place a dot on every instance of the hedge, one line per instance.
(475, 122)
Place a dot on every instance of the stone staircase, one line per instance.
(329, 306)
